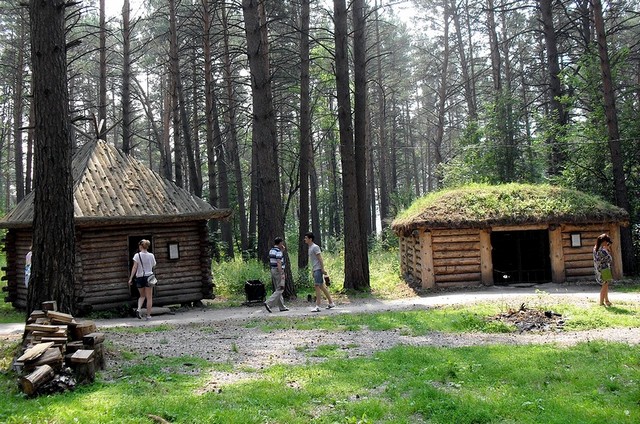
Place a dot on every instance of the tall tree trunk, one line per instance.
(442, 91)
(269, 201)
(52, 275)
(494, 47)
(194, 185)
(360, 135)
(166, 166)
(354, 277)
(305, 134)
(555, 89)
(232, 133)
(102, 95)
(18, 109)
(126, 78)
(622, 198)
(467, 76)
(385, 209)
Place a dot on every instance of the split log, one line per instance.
(34, 352)
(95, 341)
(59, 317)
(44, 328)
(51, 357)
(74, 346)
(29, 384)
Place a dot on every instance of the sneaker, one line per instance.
(331, 305)
(316, 309)
(267, 307)
(285, 309)
(138, 313)
(148, 318)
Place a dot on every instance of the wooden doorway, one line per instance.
(520, 257)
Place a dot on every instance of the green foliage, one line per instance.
(230, 276)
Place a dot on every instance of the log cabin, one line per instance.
(501, 235)
(117, 202)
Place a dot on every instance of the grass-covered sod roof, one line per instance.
(481, 206)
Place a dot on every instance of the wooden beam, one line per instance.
(556, 253)
(486, 258)
(426, 250)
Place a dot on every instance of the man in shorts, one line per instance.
(317, 267)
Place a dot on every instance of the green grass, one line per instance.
(458, 319)
(587, 383)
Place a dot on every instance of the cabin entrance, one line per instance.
(520, 257)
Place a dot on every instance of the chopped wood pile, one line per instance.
(58, 352)
(526, 319)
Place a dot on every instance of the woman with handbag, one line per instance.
(143, 264)
(602, 263)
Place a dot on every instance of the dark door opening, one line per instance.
(133, 249)
(520, 257)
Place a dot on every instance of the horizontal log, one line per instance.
(456, 261)
(456, 247)
(572, 272)
(51, 357)
(456, 270)
(454, 232)
(462, 238)
(458, 284)
(457, 254)
(471, 277)
(578, 264)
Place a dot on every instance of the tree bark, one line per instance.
(353, 266)
(622, 198)
(360, 135)
(269, 201)
(53, 260)
(305, 134)
(232, 133)
(18, 109)
(126, 78)
(102, 94)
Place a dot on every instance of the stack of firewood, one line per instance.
(58, 352)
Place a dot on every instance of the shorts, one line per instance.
(142, 282)
(318, 279)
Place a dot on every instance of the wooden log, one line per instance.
(50, 305)
(93, 339)
(82, 361)
(74, 346)
(462, 278)
(44, 328)
(59, 317)
(37, 314)
(34, 352)
(29, 384)
(51, 357)
(83, 328)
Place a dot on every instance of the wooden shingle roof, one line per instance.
(113, 188)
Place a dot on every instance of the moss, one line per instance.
(482, 205)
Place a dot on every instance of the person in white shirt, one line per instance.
(143, 264)
(317, 267)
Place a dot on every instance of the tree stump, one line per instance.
(83, 365)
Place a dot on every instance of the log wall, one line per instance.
(462, 257)
(103, 265)
(579, 260)
(456, 257)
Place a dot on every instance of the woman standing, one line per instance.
(602, 263)
(143, 264)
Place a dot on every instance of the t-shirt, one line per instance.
(146, 266)
(314, 251)
(275, 254)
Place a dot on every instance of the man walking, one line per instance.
(277, 264)
(317, 267)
